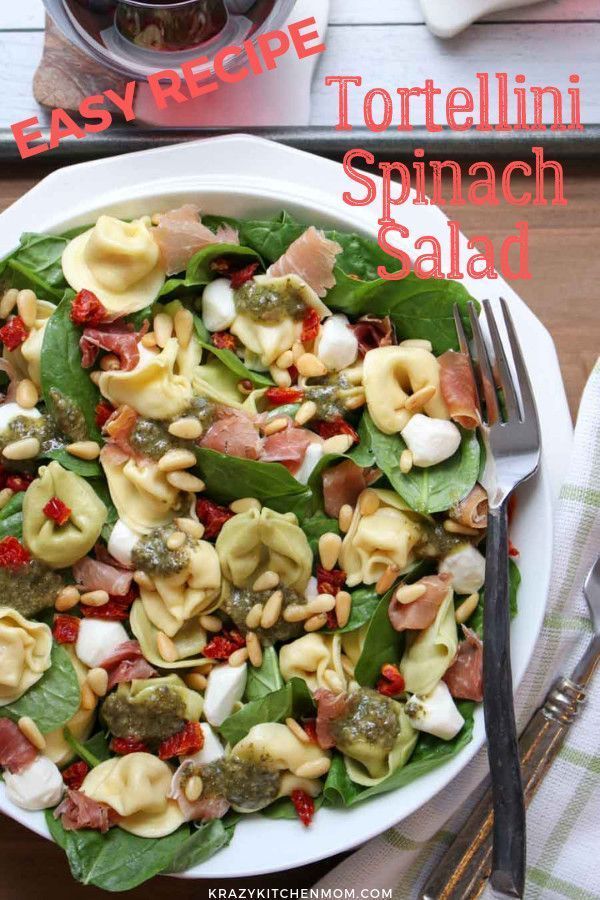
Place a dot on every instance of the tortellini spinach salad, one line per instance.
(242, 538)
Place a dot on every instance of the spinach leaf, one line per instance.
(98, 747)
(83, 751)
(229, 358)
(11, 517)
(87, 468)
(61, 366)
(514, 581)
(266, 679)
(382, 645)
(200, 269)
(315, 526)
(203, 843)
(54, 699)
(285, 809)
(294, 699)
(428, 490)
(36, 264)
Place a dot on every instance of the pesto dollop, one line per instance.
(42, 428)
(31, 588)
(245, 784)
(263, 303)
(69, 417)
(152, 555)
(159, 716)
(240, 601)
(151, 438)
(438, 541)
(369, 717)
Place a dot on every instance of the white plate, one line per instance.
(446, 19)
(247, 176)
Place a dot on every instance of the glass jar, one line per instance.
(170, 26)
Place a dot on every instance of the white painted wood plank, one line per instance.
(21, 53)
(402, 12)
(21, 14)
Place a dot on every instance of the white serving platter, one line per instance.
(241, 175)
(445, 19)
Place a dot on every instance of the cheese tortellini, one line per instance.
(430, 652)
(322, 660)
(178, 598)
(153, 388)
(80, 725)
(256, 541)
(136, 786)
(216, 382)
(368, 762)
(189, 641)
(60, 546)
(373, 542)
(143, 497)
(26, 358)
(119, 261)
(25, 648)
(390, 374)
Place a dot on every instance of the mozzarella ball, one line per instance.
(467, 567)
(314, 453)
(97, 640)
(430, 441)
(10, 411)
(311, 591)
(39, 786)
(212, 748)
(225, 688)
(218, 307)
(121, 542)
(337, 346)
(435, 713)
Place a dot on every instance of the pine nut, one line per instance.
(408, 593)
(166, 647)
(188, 428)
(311, 366)
(356, 401)
(193, 788)
(67, 598)
(466, 608)
(31, 731)
(330, 545)
(419, 343)
(281, 377)
(95, 598)
(275, 425)
(406, 461)
(268, 581)
(196, 681)
(98, 681)
(27, 394)
(272, 610)
(315, 623)
(345, 518)
(185, 481)
(339, 443)
(88, 697)
(143, 580)
(211, 623)
(27, 307)
(26, 448)
(453, 527)
(387, 579)
(163, 329)
(297, 350)
(84, 449)
(184, 325)
(254, 616)
(421, 397)
(110, 363)
(95, 377)
(324, 603)
(176, 540)
(238, 657)
(192, 528)
(8, 302)
(244, 505)
(307, 411)
(368, 503)
(255, 654)
(149, 341)
(314, 769)
(5, 495)
(343, 608)
(334, 681)
(297, 731)
(175, 460)
(296, 612)
(285, 360)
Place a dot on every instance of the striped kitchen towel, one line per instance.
(564, 817)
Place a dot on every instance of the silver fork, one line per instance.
(512, 440)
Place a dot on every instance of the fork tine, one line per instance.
(460, 331)
(527, 402)
(506, 382)
(485, 370)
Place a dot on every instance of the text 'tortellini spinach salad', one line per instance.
(241, 533)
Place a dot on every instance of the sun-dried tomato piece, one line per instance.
(126, 745)
(277, 396)
(104, 411)
(334, 427)
(13, 554)
(13, 333)
(310, 727)
(512, 550)
(332, 622)
(223, 340)
(65, 629)
(222, 645)
(391, 682)
(87, 309)
(310, 325)
(330, 582)
(189, 740)
(58, 511)
(304, 806)
(74, 775)
(212, 516)
(18, 483)
(243, 275)
(116, 608)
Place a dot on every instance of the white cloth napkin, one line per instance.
(563, 820)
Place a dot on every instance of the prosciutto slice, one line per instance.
(458, 388)
(420, 613)
(16, 752)
(119, 428)
(92, 575)
(205, 808)
(234, 434)
(126, 663)
(465, 676)
(180, 233)
(372, 332)
(288, 447)
(312, 258)
(342, 485)
(473, 510)
(119, 338)
(330, 707)
(79, 811)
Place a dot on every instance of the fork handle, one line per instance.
(508, 861)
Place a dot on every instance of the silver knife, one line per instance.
(463, 871)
